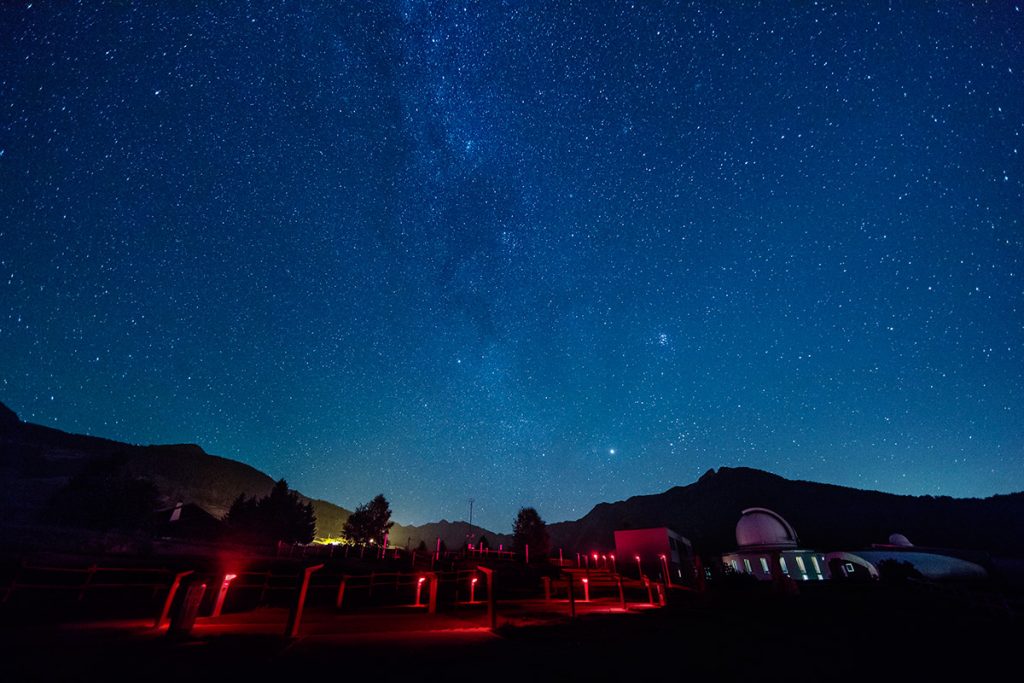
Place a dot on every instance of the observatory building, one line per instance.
(935, 564)
(768, 548)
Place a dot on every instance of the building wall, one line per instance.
(650, 545)
(799, 565)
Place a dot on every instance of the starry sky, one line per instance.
(533, 253)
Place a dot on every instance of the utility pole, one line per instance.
(470, 535)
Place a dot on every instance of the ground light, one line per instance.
(222, 594)
(419, 589)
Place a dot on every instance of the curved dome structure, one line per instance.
(762, 527)
(900, 540)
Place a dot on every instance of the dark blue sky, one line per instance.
(534, 253)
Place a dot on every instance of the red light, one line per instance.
(230, 577)
(422, 579)
(475, 580)
(586, 580)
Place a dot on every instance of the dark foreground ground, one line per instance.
(872, 633)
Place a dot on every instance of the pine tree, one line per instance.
(530, 530)
(281, 516)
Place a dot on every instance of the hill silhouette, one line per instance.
(35, 461)
(824, 516)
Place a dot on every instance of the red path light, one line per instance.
(219, 604)
(419, 589)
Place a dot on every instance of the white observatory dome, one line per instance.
(900, 540)
(762, 527)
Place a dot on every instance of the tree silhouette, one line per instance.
(530, 530)
(369, 522)
(281, 516)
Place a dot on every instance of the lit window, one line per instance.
(800, 565)
(814, 561)
(735, 566)
(782, 563)
(764, 565)
(746, 563)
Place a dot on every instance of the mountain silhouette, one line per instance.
(824, 516)
(36, 461)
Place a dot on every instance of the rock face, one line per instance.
(823, 515)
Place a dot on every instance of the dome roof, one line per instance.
(762, 527)
(900, 540)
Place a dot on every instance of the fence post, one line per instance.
(622, 594)
(572, 598)
(170, 598)
(185, 618)
(432, 609)
(492, 616)
(225, 584)
(547, 588)
(341, 591)
(295, 616)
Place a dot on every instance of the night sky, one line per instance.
(534, 253)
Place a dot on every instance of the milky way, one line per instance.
(540, 254)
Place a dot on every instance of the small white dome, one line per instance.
(900, 540)
(760, 526)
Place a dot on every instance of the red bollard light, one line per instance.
(586, 590)
(419, 589)
(472, 590)
(219, 604)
